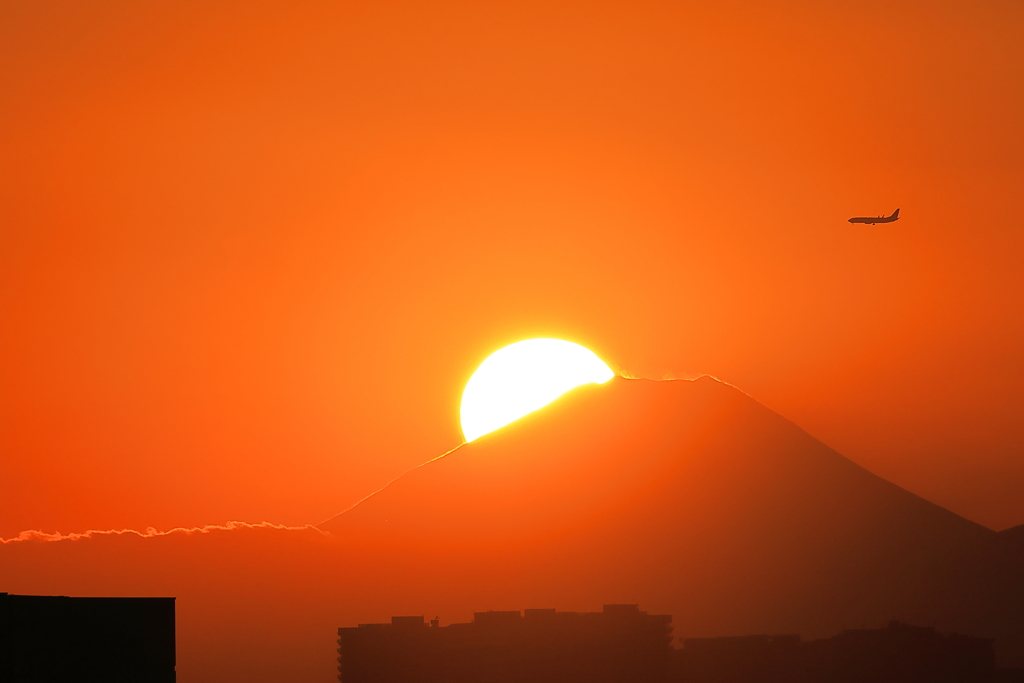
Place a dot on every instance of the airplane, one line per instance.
(871, 220)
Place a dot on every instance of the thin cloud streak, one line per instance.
(150, 532)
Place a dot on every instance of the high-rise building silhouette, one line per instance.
(621, 644)
(57, 639)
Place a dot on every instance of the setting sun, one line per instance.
(523, 377)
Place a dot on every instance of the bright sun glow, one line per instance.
(523, 377)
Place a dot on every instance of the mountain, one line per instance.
(693, 499)
(687, 497)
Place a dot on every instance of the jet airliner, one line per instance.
(871, 220)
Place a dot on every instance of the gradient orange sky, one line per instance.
(251, 252)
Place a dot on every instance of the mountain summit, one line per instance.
(694, 499)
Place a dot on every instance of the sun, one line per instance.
(523, 377)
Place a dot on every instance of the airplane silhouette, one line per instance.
(871, 220)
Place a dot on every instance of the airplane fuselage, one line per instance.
(871, 220)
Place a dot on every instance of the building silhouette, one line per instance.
(57, 639)
(739, 659)
(898, 653)
(620, 644)
(623, 644)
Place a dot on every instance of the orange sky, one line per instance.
(251, 252)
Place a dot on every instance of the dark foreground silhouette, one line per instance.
(622, 644)
(619, 644)
(899, 653)
(57, 639)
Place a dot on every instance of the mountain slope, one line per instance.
(689, 497)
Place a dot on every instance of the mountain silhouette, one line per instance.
(693, 499)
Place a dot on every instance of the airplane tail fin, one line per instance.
(895, 214)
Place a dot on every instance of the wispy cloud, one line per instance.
(44, 537)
